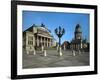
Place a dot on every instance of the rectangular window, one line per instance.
(30, 40)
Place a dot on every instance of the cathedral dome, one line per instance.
(78, 28)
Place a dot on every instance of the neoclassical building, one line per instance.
(37, 36)
(78, 42)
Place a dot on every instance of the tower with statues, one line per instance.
(78, 42)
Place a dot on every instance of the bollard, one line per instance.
(73, 53)
(27, 52)
(45, 54)
(34, 53)
(60, 53)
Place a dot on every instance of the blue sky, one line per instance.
(53, 20)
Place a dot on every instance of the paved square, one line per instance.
(54, 60)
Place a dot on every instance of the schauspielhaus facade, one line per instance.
(37, 36)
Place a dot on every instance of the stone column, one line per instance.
(41, 41)
(37, 41)
(47, 42)
(26, 40)
(27, 44)
(44, 41)
(50, 42)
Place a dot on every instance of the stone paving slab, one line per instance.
(54, 60)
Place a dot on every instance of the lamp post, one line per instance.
(59, 32)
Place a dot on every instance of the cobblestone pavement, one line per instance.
(54, 60)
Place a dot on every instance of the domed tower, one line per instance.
(78, 32)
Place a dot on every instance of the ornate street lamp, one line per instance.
(60, 32)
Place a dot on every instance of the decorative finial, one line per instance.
(42, 25)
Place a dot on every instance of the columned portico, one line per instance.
(42, 40)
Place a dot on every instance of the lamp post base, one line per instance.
(60, 53)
